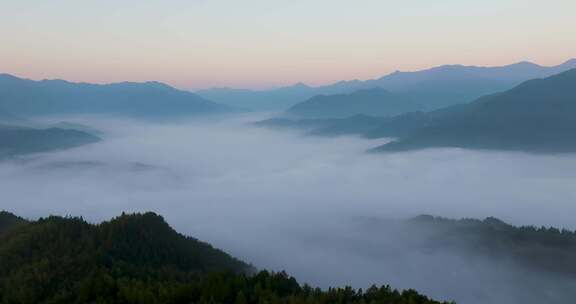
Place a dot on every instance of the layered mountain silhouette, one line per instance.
(536, 116)
(24, 97)
(378, 102)
(430, 88)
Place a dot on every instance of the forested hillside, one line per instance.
(138, 258)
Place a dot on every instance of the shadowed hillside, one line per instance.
(138, 258)
(377, 102)
(536, 116)
(21, 140)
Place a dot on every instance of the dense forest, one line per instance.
(139, 258)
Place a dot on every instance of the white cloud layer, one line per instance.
(282, 201)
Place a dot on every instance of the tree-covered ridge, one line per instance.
(9, 221)
(139, 258)
(540, 248)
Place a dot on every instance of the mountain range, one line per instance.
(24, 97)
(430, 88)
(535, 116)
(376, 101)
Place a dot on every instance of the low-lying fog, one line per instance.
(284, 201)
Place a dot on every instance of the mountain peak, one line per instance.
(6, 76)
(525, 63)
(570, 62)
(300, 85)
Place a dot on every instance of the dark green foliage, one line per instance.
(9, 221)
(139, 259)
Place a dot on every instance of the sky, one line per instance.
(195, 44)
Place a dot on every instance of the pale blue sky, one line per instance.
(260, 43)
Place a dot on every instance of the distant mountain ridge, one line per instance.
(536, 116)
(26, 97)
(376, 101)
(431, 88)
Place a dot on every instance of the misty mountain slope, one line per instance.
(511, 264)
(75, 126)
(266, 100)
(430, 88)
(353, 125)
(375, 102)
(383, 127)
(536, 116)
(331, 127)
(7, 118)
(54, 97)
(139, 258)
(297, 124)
(16, 140)
(541, 249)
(364, 125)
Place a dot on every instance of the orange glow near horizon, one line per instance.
(262, 44)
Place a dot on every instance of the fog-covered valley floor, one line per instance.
(284, 201)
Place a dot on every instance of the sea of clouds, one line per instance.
(281, 200)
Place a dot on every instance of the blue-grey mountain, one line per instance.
(16, 140)
(432, 88)
(536, 116)
(26, 97)
(377, 102)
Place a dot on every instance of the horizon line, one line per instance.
(275, 87)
